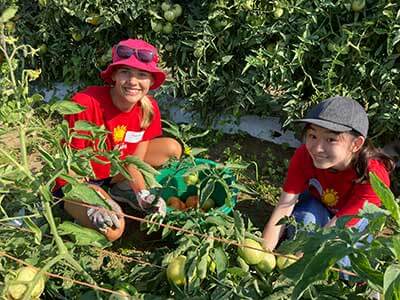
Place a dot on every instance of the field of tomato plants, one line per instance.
(278, 57)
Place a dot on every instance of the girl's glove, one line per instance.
(102, 218)
(148, 202)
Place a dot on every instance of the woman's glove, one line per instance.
(149, 202)
(102, 218)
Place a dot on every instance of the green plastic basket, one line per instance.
(174, 185)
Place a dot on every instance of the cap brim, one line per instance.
(325, 124)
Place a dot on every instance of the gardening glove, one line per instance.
(148, 202)
(103, 218)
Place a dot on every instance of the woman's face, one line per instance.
(331, 150)
(130, 86)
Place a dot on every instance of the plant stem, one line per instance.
(24, 154)
(63, 251)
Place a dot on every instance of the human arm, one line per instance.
(97, 217)
(273, 232)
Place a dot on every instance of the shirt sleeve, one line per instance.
(154, 129)
(296, 177)
(363, 192)
(86, 115)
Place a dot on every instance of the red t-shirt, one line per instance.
(336, 190)
(124, 127)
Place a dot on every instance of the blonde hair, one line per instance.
(147, 112)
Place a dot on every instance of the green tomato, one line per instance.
(251, 256)
(357, 5)
(198, 52)
(17, 289)
(169, 47)
(77, 36)
(278, 12)
(167, 28)
(192, 178)
(93, 20)
(126, 287)
(220, 24)
(208, 204)
(165, 6)
(248, 4)
(267, 263)
(254, 20)
(177, 10)
(10, 26)
(42, 49)
(169, 15)
(156, 26)
(176, 270)
(42, 3)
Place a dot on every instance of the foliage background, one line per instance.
(238, 56)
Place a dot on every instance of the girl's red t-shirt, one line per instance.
(125, 132)
(337, 190)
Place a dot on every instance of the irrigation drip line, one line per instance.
(20, 261)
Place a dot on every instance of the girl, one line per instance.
(328, 174)
(133, 119)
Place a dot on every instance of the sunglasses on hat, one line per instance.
(144, 55)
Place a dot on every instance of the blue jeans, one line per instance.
(311, 211)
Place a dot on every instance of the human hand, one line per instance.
(102, 218)
(148, 201)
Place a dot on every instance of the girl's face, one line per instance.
(130, 86)
(331, 150)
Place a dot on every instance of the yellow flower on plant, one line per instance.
(330, 197)
(187, 150)
(119, 133)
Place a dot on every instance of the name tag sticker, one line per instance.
(133, 136)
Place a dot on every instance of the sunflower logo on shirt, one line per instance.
(119, 133)
(329, 197)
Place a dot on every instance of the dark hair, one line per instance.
(367, 152)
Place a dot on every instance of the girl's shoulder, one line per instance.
(91, 94)
(302, 152)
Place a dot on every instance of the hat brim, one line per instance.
(325, 124)
(158, 75)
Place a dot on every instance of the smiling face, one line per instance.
(331, 150)
(130, 86)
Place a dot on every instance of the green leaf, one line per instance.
(87, 126)
(82, 192)
(8, 14)
(391, 283)
(395, 247)
(362, 267)
(141, 165)
(207, 191)
(316, 267)
(239, 226)
(386, 197)
(221, 261)
(65, 107)
(83, 236)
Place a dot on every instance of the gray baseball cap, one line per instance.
(338, 114)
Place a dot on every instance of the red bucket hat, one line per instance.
(134, 62)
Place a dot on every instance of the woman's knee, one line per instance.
(174, 148)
